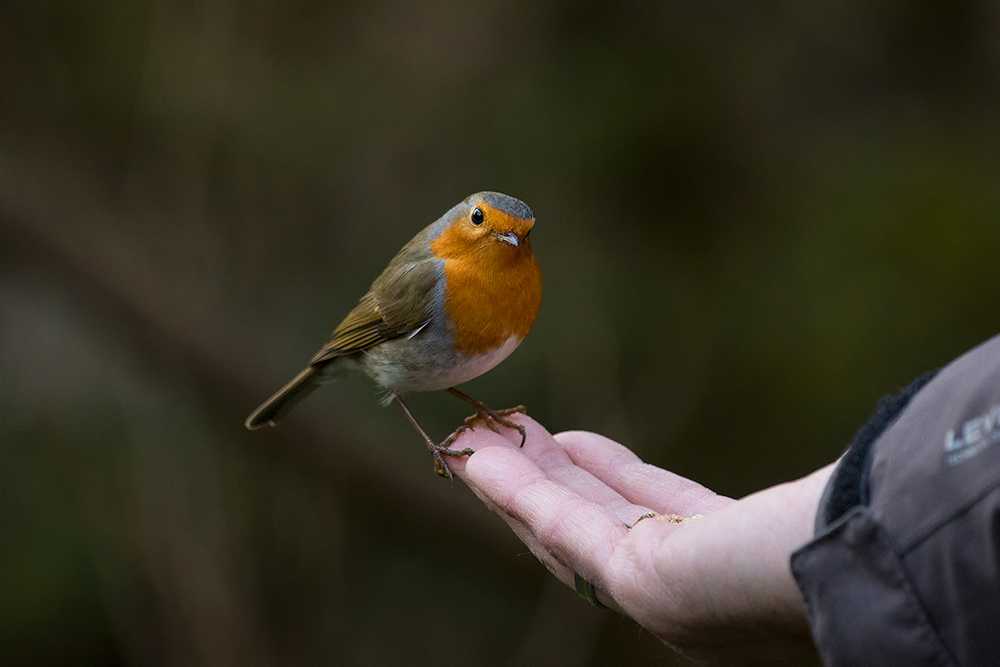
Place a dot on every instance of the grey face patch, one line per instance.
(506, 203)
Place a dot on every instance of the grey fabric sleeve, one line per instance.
(904, 568)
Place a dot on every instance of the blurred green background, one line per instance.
(753, 221)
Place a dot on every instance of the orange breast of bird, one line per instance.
(492, 290)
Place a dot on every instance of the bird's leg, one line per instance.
(491, 417)
(439, 451)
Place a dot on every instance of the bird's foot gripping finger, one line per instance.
(438, 451)
(493, 417)
(444, 449)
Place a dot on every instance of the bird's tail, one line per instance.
(274, 409)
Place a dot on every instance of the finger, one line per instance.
(480, 436)
(577, 534)
(560, 570)
(557, 568)
(539, 440)
(483, 439)
(638, 482)
(551, 457)
(475, 440)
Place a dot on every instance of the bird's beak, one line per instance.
(509, 238)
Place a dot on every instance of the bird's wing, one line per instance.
(398, 304)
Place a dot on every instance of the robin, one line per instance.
(451, 305)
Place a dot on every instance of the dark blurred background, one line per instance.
(753, 221)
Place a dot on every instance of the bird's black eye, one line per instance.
(477, 216)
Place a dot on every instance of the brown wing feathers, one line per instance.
(396, 306)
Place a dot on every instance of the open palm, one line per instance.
(716, 588)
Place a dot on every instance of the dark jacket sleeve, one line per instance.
(904, 568)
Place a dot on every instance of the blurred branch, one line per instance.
(52, 215)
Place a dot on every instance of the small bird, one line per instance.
(451, 305)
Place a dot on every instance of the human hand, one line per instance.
(717, 588)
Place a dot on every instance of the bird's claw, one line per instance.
(493, 417)
(444, 449)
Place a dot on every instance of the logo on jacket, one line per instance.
(977, 434)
